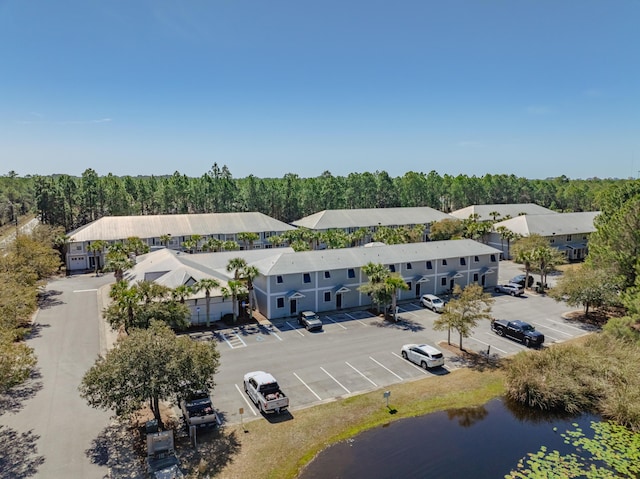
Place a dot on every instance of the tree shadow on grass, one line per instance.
(215, 450)
(13, 400)
(19, 457)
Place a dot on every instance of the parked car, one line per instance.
(519, 331)
(310, 320)
(510, 288)
(520, 279)
(432, 302)
(423, 355)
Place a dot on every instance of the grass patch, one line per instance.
(280, 449)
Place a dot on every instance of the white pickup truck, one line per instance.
(264, 391)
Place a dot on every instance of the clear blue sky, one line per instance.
(269, 87)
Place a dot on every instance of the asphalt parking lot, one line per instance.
(358, 352)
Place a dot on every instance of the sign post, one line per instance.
(386, 395)
(241, 411)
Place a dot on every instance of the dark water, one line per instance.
(484, 442)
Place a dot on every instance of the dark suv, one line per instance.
(520, 280)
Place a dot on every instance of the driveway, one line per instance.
(53, 432)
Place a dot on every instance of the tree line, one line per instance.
(70, 201)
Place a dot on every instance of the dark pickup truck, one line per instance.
(519, 331)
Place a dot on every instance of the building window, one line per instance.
(279, 303)
(584, 237)
(475, 277)
(552, 240)
(327, 296)
(443, 281)
(568, 237)
(306, 277)
(409, 266)
(463, 261)
(444, 262)
(392, 268)
(493, 258)
(327, 274)
(351, 273)
(279, 279)
(409, 285)
(476, 259)
(429, 265)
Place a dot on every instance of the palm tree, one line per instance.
(212, 244)
(181, 292)
(248, 239)
(233, 289)
(248, 274)
(393, 283)
(196, 240)
(117, 260)
(236, 265)
(95, 247)
(230, 245)
(126, 299)
(150, 291)
(377, 274)
(164, 239)
(206, 285)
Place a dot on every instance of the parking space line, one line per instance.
(338, 382)
(335, 322)
(307, 386)
(569, 326)
(240, 339)
(374, 384)
(274, 334)
(552, 329)
(294, 328)
(410, 363)
(487, 344)
(356, 319)
(384, 367)
(244, 396)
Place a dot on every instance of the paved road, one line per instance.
(66, 342)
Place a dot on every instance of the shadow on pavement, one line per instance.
(19, 457)
(47, 299)
(403, 324)
(14, 399)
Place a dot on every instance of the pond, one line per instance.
(482, 442)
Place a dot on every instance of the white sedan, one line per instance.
(423, 355)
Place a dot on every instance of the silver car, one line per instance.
(510, 288)
(432, 302)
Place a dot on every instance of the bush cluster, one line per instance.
(601, 376)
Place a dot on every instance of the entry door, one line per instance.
(338, 301)
(293, 307)
(483, 280)
(417, 290)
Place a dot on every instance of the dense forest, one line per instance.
(69, 201)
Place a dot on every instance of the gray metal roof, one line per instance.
(512, 210)
(111, 228)
(553, 224)
(366, 217)
(173, 268)
(331, 259)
